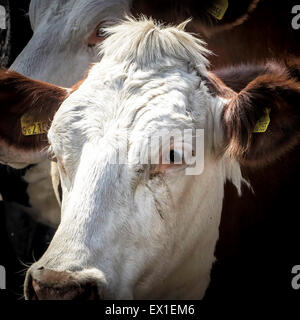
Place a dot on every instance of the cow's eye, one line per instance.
(173, 160)
(101, 33)
(97, 36)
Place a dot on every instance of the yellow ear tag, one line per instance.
(219, 9)
(32, 127)
(263, 123)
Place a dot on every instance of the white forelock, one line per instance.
(148, 42)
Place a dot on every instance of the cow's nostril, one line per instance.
(52, 285)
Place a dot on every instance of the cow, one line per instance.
(69, 31)
(39, 60)
(137, 230)
(249, 31)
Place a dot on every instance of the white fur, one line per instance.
(58, 52)
(150, 238)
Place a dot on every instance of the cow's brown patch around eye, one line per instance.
(162, 167)
(97, 36)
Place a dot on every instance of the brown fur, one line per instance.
(278, 91)
(237, 77)
(217, 87)
(176, 11)
(20, 95)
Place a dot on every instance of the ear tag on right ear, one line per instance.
(219, 9)
(31, 126)
(263, 123)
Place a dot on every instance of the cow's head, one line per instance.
(65, 35)
(141, 229)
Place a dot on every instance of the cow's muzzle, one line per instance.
(46, 284)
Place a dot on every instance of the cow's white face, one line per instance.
(133, 230)
(143, 231)
(65, 37)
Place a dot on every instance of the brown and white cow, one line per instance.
(144, 230)
(66, 33)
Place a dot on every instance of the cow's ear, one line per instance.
(26, 109)
(262, 122)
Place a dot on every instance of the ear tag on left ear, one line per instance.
(263, 123)
(219, 9)
(31, 126)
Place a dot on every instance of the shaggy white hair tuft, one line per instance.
(146, 41)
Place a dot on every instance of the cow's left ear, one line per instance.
(262, 122)
(27, 108)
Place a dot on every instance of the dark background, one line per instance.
(22, 240)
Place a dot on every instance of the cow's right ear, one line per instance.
(27, 108)
(262, 122)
